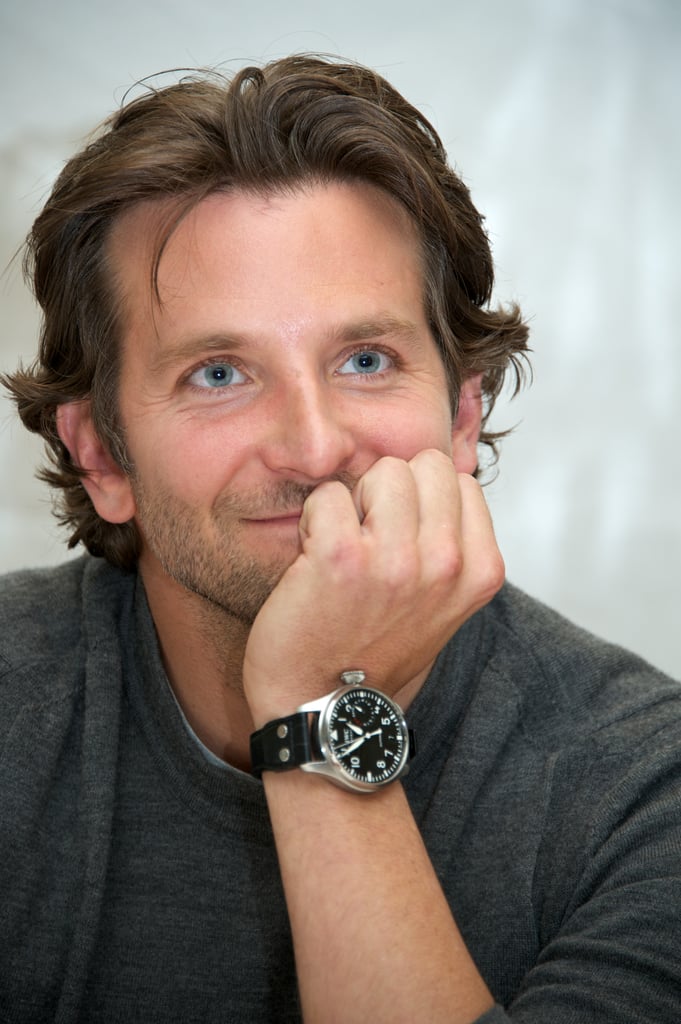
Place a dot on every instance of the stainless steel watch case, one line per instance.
(330, 765)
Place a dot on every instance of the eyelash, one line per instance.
(214, 361)
(381, 350)
(231, 361)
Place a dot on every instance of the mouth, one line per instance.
(277, 519)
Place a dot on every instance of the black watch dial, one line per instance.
(366, 736)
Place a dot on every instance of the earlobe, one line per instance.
(106, 483)
(467, 425)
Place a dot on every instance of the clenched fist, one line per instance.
(387, 573)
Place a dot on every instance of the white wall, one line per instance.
(564, 119)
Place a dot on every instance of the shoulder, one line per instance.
(47, 621)
(570, 683)
(37, 607)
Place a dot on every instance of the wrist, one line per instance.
(355, 736)
(275, 696)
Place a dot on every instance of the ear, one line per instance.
(106, 483)
(467, 425)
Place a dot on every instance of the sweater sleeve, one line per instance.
(609, 876)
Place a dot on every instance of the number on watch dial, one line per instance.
(366, 736)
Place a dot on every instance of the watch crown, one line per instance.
(353, 677)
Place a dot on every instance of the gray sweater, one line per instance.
(139, 880)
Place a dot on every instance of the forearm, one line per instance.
(386, 575)
(373, 934)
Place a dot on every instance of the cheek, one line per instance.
(194, 465)
(411, 430)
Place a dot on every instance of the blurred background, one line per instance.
(563, 116)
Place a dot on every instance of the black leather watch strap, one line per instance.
(282, 744)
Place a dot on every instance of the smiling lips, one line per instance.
(279, 519)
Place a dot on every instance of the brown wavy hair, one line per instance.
(297, 120)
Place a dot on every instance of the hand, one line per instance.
(386, 575)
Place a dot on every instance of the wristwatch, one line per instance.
(356, 736)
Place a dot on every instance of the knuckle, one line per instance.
(346, 560)
(387, 464)
(449, 561)
(328, 490)
(469, 485)
(431, 455)
(492, 573)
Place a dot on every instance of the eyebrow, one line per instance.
(361, 330)
(186, 351)
(377, 327)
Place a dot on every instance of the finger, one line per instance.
(457, 541)
(440, 541)
(327, 511)
(387, 502)
(483, 570)
(439, 494)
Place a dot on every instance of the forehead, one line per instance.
(146, 231)
(253, 264)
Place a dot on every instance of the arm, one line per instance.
(374, 937)
(607, 892)
(383, 581)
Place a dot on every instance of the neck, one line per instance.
(202, 648)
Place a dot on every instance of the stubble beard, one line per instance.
(216, 567)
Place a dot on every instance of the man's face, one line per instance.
(290, 347)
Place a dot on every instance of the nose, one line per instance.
(310, 436)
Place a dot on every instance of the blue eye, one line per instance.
(216, 375)
(367, 361)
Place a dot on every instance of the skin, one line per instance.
(306, 506)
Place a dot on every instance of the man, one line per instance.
(266, 365)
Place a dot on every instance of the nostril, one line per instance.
(312, 440)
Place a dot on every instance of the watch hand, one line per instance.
(355, 728)
(354, 744)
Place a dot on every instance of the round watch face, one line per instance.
(365, 735)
